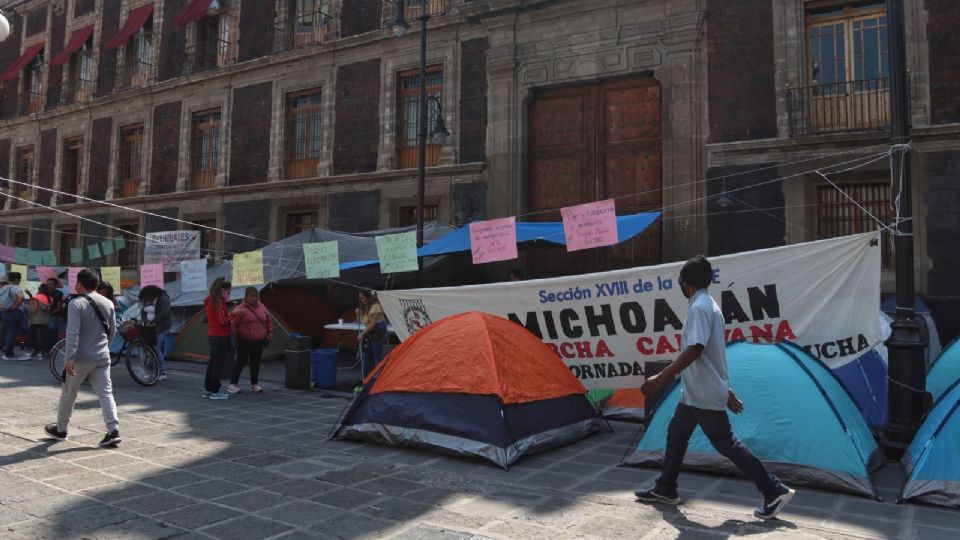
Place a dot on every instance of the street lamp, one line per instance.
(4, 26)
(439, 131)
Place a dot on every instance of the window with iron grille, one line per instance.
(67, 239)
(21, 239)
(129, 256)
(70, 169)
(25, 164)
(297, 222)
(205, 156)
(212, 42)
(138, 57)
(131, 160)
(839, 216)
(307, 21)
(303, 133)
(208, 238)
(80, 81)
(407, 215)
(31, 96)
(408, 106)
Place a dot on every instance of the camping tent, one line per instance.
(945, 370)
(798, 419)
(928, 328)
(931, 459)
(191, 339)
(865, 376)
(472, 384)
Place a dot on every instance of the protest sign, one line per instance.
(8, 253)
(22, 255)
(45, 273)
(590, 225)
(397, 252)
(322, 260)
(111, 274)
(169, 248)
(106, 247)
(21, 269)
(247, 269)
(72, 279)
(193, 276)
(76, 255)
(35, 258)
(151, 274)
(493, 240)
(93, 251)
(119, 243)
(33, 287)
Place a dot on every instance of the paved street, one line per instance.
(259, 466)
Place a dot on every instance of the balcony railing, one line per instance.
(412, 9)
(205, 55)
(135, 75)
(78, 91)
(129, 187)
(301, 31)
(834, 107)
(30, 102)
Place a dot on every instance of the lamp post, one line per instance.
(399, 28)
(905, 345)
(4, 26)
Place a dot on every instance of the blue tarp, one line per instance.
(797, 418)
(931, 459)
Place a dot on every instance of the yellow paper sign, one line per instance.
(111, 274)
(248, 269)
(21, 268)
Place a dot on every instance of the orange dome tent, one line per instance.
(472, 384)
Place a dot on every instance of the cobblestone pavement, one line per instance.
(259, 466)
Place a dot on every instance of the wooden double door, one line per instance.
(592, 142)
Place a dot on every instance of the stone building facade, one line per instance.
(262, 117)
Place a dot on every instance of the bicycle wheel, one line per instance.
(58, 359)
(142, 363)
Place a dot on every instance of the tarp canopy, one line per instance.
(283, 260)
(135, 21)
(191, 341)
(28, 55)
(77, 39)
(798, 419)
(931, 459)
(945, 370)
(472, 384)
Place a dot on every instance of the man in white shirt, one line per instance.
(705, 396)
(11, 304)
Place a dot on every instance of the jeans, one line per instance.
(158, 348)
(219, 346)
(252, 350)
(99, 376)
(37, 341)
(716, 426)
(12, 321)
(371, 350)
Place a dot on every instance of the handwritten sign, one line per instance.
(111, 274)
(19, 268)
(22, 255)
(7, 253)
(193, 276)
(493, 240)
(590, 225)
(76, 255)
(248, 269)
(45, 273)
(322, 260)
(151, 274)
(72, 279)
(106, 247)
(397, 252)
(93, 251)
(49, 258)
(170, 247)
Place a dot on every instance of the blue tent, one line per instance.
(798, 419)
(865, 376)
(931, 459)
(945, 370)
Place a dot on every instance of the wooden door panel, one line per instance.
(632, 114)
(634, 170)
(558, 181)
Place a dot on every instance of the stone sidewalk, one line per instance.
(259, 466)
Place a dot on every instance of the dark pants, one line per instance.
(371, 351)
(252, 350)
(716, 426)
(12, 321)
(219, 346)
(37, 340)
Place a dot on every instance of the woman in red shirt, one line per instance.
(218, 334)
(253, 327)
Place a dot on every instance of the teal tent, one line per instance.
(931, 461)
(945, 370)
(798, 419)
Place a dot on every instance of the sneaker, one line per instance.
(775, 503)
(256, 388)
(654, 496)
(218, 395)
(111, 439)
(233, 389)
(54, 433)
(162, 377)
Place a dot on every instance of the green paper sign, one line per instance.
(106, 247)
(35, 258)
(76, 255)
(93, 251)
(322, 260)
(397, 252)
(33, 287)
(120, 242)
(22, 255)
(49, 258)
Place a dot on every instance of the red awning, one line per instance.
(135, 21)
(195, 10)
(77, 40)
(21, 62)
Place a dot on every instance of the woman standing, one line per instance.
(155, 306)
(218, 334)
(253, 327)
(38, 314)
(374, 332)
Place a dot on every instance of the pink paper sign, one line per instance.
(493, 240)
(151, 274)
(72, 279)
(8, 253)
(45, 273)
(590, 225)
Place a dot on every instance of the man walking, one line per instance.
(11, 311)
(705, 396)
(90, 326)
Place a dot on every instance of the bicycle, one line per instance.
(140, 358)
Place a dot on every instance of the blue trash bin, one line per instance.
(324, 367)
